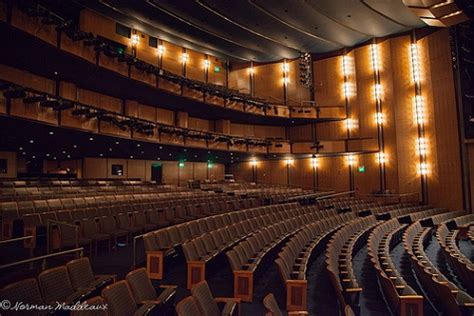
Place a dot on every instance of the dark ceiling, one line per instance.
(262, 30)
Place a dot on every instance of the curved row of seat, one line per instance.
(346, 242)
(451, 299)
(447, 239)
(201, 250)
(293, 259)
(398, 294)
(163, 243)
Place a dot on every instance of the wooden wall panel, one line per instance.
(195, 68)
(301, 174)
(331, 130)
(445, 178)
(300, 133)
(216, 77)
(242, 172)
(406, 129)
(146, 52)
(74, 165)
(94, 168)
(69, 91)
(91, 21)
(165, 116)
(216, 172)
(296, 91)
(328, 81)
(10, 157)
(368, 181)
(269, 82)
(262, 131)
(239, 79)
(333, 174)
(34, 26)
(99, 100)
(365, 92)
(172, 58)
(200, 124)
(272, 172)
(388, 109)
(200, 171)
(136, 169)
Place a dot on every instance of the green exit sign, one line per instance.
(361, 169)
(217, 69)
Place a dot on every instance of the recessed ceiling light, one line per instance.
(131, 157)
(33, 157)
(170, 155)
(51, 133)
(208, 152)
(158, 158)
(161, 147)
(75, 146)
(101, 155)
(231, 154)
(91, 138)
(23, 153)
(21, 148)
(69, 156)
(138, 145)
(56, 73)
(54, 158)
(31, 141)
(185, 149)
(47, 155)
(143, 152)
(116, 143)
(110, 149)
(195, 156)
(63, 151)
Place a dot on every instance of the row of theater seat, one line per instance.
(447, 295)
(76, 283)
(400, 296)
(458, 261)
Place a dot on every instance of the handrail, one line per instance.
(15, 239)
(65, 252)
(319, 194)
(336, 194)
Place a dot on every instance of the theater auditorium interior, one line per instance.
(237, 158)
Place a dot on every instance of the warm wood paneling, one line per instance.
(34, 26)
(91, 21)
(239, 79)
(301, 174)
(216, 77)
(368, 181)
(195, 68)
(301, 133)
(333, 173)
(269, 82)
(295, 90)
(445, 180)
(95, 168)
(272, 172)
(136, 169)
(328, 81)
(200, 124)
(172, 58)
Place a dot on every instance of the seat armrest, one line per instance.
(168, 286)
(297, 313)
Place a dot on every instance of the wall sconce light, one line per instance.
(419, 110)
(285, 67)
(207, 63)
(161, 49)
(346, 65)
(351, 124)
(251, 70)
(423, 169)
(346, 86)
(253, 162)
(184, 57)
(382, 158)
(378, 91)
(314, 162)
(135, 39)
(422, 146)
(379, 118)
(351, 160)
(415, 62)
(286, 80)
(289, 161)
(375, 57)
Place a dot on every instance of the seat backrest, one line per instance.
(26, 291)
(80, 272)
(203, 296)
(140, 285)
(188, 307)
(119, 299)
(89, 227)
(271, 305)
(55, 284)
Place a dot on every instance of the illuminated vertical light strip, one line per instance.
(161, 52)
(207, 65)
(134, 42)
(315, 165)
(184, 61)
(350, 123)
(286, 79)
(252, 78)
(378, 95)
(419, 118)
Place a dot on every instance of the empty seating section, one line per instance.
(343, 244)
(447, 296)
(401, 297)
(458, 261)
